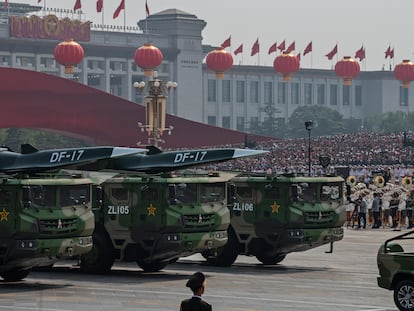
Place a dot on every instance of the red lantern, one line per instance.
(404, 72)
(69, 53)
(219, 61)
(286, 64)
(347, 68)
(148, 57)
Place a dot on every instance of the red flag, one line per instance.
(272, 49)
(226, 43)
(291, 47)
(308, 49)
(255, 48)
(5, 4)
(281, 46)
(389, 53)
(99, 6)
(332, 53)
(239, 49)
(360, 53)
(392, 53)
(147, 8)
(119, 9)
(77, 5)
(298, 56)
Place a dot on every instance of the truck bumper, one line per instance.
(173, 245)
(295, 240)
(384, 283)
(53, 248)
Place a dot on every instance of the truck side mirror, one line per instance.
(348, 192)
(232, 192)
(26, 196)
(172, 194)
(99, 196)
(294, 193)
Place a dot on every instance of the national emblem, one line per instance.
(151, 210)
(4, 214)
(275, 207)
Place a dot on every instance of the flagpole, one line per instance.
(311, 60)
(103, 14)
(124, 16)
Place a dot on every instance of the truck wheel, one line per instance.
(224, 256)
(153, 266)
(404, 295)
(101, 258)
(270, 260)
(15, 275)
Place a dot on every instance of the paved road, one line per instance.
(312, 280)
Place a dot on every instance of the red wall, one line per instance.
(30, 99)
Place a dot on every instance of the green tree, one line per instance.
(326, 121)
(394, 121)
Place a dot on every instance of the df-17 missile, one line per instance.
(157, 161)
(31, 160)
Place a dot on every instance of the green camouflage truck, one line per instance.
(272, 216)
(155, 219)
(43, 219)
(395, 260)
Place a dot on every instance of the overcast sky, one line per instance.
(375, 24)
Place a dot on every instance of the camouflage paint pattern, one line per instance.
(158, 218)
(55, 224)
(269, 222)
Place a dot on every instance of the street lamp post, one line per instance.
(308, 126)
(155, 103)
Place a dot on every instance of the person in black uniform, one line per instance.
(197, 284)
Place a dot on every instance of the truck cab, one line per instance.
(43, 219)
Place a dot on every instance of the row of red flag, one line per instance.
(282, 48)
(99, 6)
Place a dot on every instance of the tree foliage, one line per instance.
(326, 121)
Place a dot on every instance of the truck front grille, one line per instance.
(321, 217)
(57, 226)
(198, 220)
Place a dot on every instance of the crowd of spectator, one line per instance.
(363, 152)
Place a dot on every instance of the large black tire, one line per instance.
(153, 266)
(404, 295)
(15, 275)
(270, 260)
(224, 256)
(101, 258)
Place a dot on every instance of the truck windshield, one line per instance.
(186, 193)
(307, 192)
(43, 196)
(74, 195)
(212, 192)
(330, 192)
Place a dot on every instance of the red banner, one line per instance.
(49, 27)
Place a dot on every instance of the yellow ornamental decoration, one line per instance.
(4, 214)
(151, 210)
(275, 207)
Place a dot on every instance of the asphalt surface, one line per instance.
(311, 280)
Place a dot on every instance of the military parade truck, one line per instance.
(42, 220)
(46, 216)
(272, 216)
(155, 219)
(395, 260)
